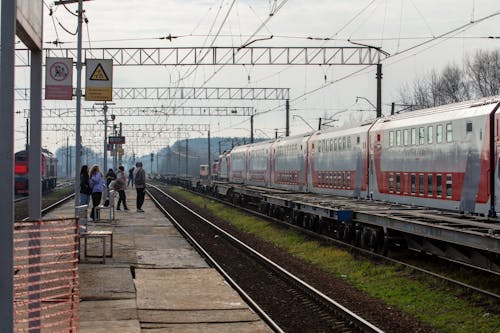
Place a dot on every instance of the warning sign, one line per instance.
(99, 81)
(99, 74)
(59, 78)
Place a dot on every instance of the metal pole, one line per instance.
(27, 132)
(251, 129)
(67, 156)
(319, 124)
(287, 107)
(78, 143)
(35, 188)
(105, 151)
(187, 161)
(209, 158)
(7, 42)
(393, 107)
(379, 90)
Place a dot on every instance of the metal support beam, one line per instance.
(7, 55)
(196, 111)
(127, 128)
(352, 55)
(78, 143)
(195, 93)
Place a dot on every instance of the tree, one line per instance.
(483, 71)
(480, 78)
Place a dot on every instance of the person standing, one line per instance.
(97, 185)
(110, 176)
(140, 185)
(85, 190)
(120, 184)
(131, 176)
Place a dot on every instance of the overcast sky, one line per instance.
(394, 25)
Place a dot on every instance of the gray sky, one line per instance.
(394, 25)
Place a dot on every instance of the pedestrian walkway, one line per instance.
(155, 282)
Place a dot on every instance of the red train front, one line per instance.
(48, 170)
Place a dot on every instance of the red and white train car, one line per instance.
(289, 163)
(259, 164)
(238, 164)
(338, 162)
(442, 157)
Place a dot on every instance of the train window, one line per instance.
(449, 132)
(358, 140)
(391, 138)
(343, 179)
(398, 138)
(468, 127)
(348, 180)
(405, 137)
(330, 145)
(430, 189)
(439, 185)
(398, 183)
(449, 183)
(439, 133)
(413, 136)
(391, 182)
(343, 143)
(421, 135)
(348, 142)
(421, 184)
(430, 134)
(413, 184)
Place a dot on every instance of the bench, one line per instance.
(110, 207)
(85, 233)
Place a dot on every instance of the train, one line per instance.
(444, 157)
(21, 170)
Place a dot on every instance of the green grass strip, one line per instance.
(424, 298)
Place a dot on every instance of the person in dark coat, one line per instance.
(131, 176)
(120, 185)
(140, 185)
(110, 176)
(85, 190)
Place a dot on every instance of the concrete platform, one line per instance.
(155, 282)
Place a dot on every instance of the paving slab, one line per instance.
(171, 258)
(200, 316)
(116, 310)
(121, 326)
(184, 289)
(100, 282)
(252, 327)
(155, 242)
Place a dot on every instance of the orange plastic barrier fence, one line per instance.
(46, 288)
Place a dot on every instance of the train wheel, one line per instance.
(373, 243)
(347, 234)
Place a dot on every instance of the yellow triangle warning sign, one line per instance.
(99, 74)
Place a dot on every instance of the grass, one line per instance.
(427, 299)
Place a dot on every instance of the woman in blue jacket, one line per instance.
(97, 186)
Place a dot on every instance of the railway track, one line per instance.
(292, 304)
(49, 202)
(492, 291)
